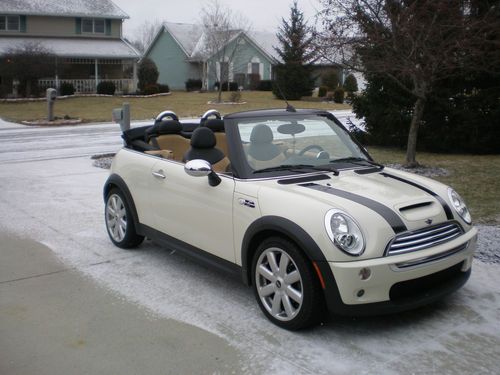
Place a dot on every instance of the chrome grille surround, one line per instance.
(424, 238)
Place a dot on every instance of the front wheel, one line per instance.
(285, 285)
(119, 221)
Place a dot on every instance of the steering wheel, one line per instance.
(311, 147)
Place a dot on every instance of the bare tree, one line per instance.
(223, 32)
(144, 34)
(416, 43)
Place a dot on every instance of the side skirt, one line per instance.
(199, 255)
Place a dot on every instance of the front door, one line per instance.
(189, 209)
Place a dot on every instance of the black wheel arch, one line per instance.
(274, 225)
(115, 181)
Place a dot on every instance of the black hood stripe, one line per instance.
(389, 215)
(446, 208)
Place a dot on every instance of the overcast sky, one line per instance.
(264, 15)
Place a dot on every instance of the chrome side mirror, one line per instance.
(201, 168)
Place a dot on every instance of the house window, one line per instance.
(255, 68)
(9, 23)
(93, 26)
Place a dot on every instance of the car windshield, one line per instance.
(295, 142)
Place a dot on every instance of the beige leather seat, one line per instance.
(203, 147)
(166, 135)
(262, 152)
(217, 126)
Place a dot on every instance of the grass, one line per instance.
(184, 104)
(475, 177)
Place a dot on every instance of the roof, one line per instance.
(191, 38)
(187, 35)
(63, 8)
(75, 47)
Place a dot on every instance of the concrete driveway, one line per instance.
(71, 302)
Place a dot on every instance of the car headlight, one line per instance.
(459, 205)
(344, 232)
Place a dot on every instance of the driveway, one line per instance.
(59, 268)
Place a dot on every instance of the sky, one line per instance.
(263, 15)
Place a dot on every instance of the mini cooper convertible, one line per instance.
(293, 205)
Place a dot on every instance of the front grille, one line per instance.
(424, 238)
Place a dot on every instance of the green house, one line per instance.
(186, 51)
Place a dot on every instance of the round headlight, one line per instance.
(344, 232)
(459, 205)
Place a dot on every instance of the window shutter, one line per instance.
(78, 25)
(22, 24)
(108, 27)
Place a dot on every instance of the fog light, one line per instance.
(360, 293)
(365, 273)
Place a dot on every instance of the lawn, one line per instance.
(98, 109)
(475, 177)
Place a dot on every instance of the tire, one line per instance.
(119, 221)
(285, 285)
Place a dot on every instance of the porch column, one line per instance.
(96, 72)
(134, 77)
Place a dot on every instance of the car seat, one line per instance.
(166, 135)
(203, 143)
(262, 152)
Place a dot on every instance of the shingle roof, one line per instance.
(75, 47)
(72, 8)
(191, 39)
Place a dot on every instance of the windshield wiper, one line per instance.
(299, 168)
(357, 161)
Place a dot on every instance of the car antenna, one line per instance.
(289, 107)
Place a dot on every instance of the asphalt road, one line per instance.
(69, 299)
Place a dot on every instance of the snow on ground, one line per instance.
(58, 201)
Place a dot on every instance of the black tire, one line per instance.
(117, 208)
(296, 315)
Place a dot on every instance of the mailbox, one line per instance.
(51, 98)
(51, 95)
(122, 116)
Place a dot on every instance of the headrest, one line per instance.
(168, 127)
(261, 134)
(203, 138)
(216, 125)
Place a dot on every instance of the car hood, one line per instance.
(405, 201)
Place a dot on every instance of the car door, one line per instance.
(189, 209)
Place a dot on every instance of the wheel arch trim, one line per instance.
(115, 180)
(277, 225)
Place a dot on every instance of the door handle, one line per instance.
(159, 174)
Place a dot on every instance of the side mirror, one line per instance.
(201, 168)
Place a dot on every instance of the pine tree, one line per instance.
(293, 76)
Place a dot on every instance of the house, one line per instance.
(84, 35)
(180, 52)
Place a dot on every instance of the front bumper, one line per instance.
(399, 282)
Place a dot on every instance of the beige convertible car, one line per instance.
(292, 204)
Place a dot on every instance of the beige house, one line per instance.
(85, 35)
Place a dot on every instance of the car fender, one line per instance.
(278, 225)
(115, 180)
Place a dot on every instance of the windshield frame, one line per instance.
(243, 170)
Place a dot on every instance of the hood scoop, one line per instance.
(419, 210)
(414, 206)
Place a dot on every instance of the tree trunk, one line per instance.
(219, 93)
(411, 150)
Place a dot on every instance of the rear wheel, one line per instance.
(119, 222)
(285, 284)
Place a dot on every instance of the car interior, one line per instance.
(170, 139)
